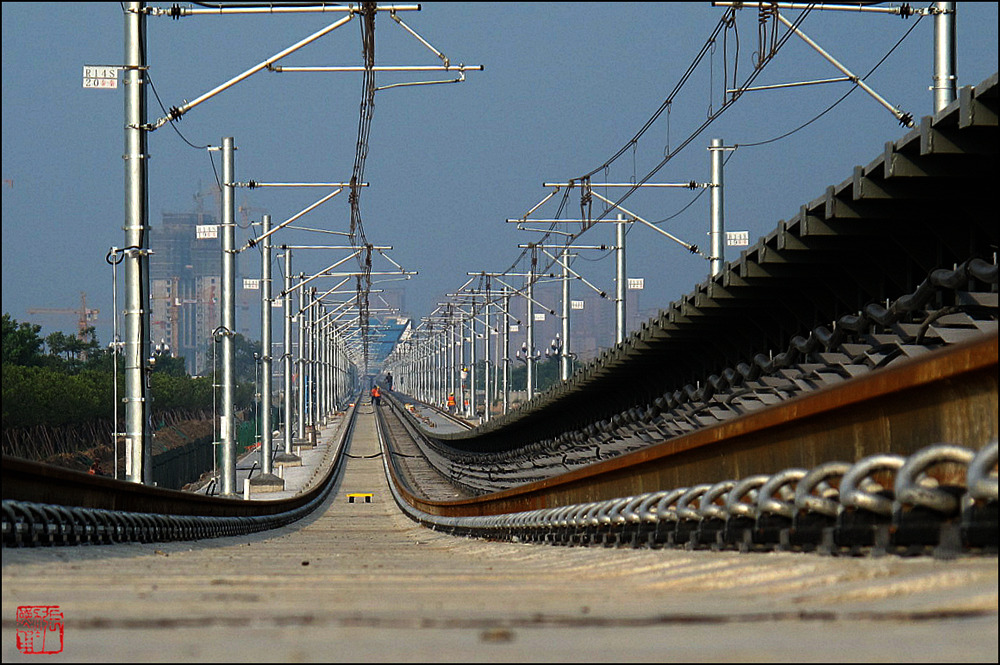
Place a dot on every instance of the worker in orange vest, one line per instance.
(376, 395)
(451, 402)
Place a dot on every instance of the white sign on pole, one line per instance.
(100, 76)
(206, 231)
(514, 327)
(737, 238)
(576, 304)
(251, 284)
(276, 303)
(636, 283)
(539, 316)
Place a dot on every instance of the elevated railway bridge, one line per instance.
(796, 460)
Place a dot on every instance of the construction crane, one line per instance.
(201, 195)
(85, 314)
(245, 211)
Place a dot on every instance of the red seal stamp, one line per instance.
(39, 629)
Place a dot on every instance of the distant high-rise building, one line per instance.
(185, 275)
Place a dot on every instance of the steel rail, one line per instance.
(891, 407)
(43, 504)
(450, 417)
(790, 510)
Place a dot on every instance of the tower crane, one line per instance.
(245, 210)
(85, 315)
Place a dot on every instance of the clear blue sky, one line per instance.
(565, 86)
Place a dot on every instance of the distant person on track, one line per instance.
(376, 396)
(451, 402)
(388, 381)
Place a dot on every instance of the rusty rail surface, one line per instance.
(945, 396)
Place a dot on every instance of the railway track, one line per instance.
(938, 499)
(848, 442)
(942, 500)
(357, 582)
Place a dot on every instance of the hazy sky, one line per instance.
(565, 86)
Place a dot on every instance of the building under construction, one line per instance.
(185, 274)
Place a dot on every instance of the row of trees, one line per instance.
(546, 374)
(62, 380)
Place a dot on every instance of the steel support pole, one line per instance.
(227, 425)
(441, 391)
(300, 420)
(310, 357)
(138, 461)
(327, 370)
(432, 382)
(945, 60)
(564, 351)
(336, 396)
(530, 346)
(265, 347)
(318, 361)
(331, 359)
(499, 320)
(324, 366)
(287, 354)
(343, 390)
(506, 353)
(717, 232)
(430, 389)
(320, 366)
(305, 362)
(315, 377)
(620, 279)
(463, 367)
(411, 362)
(487, 374)
(451, 364)
(472, 363)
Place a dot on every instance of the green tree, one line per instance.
(59, 343)
(166, 364)
(246, 354)
(546, 374)
(21, 342)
